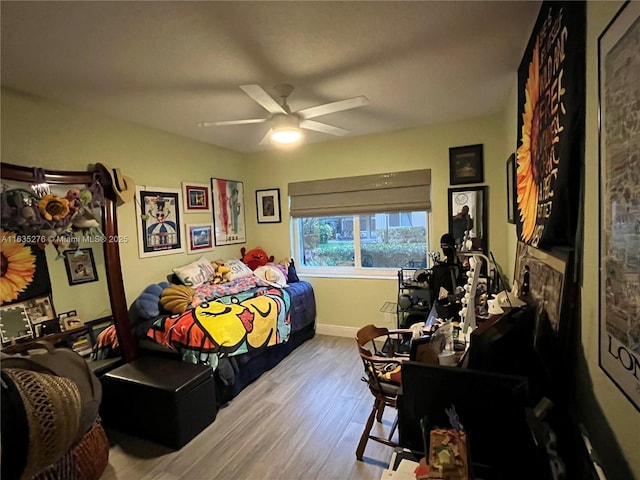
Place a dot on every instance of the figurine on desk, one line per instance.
(445, 279)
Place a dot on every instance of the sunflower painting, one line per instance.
(526, 181)
(18, 267)
(550, 147)
(24, 273)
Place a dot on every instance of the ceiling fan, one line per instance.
(285, 124)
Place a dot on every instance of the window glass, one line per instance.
(363, 243)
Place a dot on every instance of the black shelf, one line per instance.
(414, 296)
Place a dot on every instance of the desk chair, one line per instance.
(384, 390)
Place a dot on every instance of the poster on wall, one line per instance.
(551, 106)
(159, 213)
(619, 68)
(228, 211)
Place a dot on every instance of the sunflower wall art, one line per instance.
(551, 116)
(24, 273)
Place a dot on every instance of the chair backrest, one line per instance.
(372, 358)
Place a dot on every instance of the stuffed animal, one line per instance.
(222, 272)
(255, 258)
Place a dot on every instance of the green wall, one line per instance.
(37, 132)
(353, 302)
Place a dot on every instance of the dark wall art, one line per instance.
(551, 111)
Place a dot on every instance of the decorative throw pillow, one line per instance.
(196, 273)
(292, 275)
(239, 269)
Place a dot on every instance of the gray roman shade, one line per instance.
(382, 192)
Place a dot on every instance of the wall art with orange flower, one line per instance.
(551, 113)
(24, 273)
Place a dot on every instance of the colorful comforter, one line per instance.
(230, 325)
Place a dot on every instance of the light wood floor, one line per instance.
(302, 420)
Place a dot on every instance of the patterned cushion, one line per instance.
(238, 269)
(196, 273)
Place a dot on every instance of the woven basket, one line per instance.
(65, 468)
(91, 455)
(52, 408)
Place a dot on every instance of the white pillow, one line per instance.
(196, 273)
(239, 269)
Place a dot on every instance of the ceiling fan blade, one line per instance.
(232, 122)
(263, 98)
(266, 138)
(323, 127)
(332, 107)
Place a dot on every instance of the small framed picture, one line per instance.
(197, 197)
(268, 205)
(39, 309)
(80, 265)
(466, 165)
(199, 238)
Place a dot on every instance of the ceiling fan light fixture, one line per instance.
(286, 129)
(286, 135)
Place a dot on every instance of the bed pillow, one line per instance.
(196, 273)
(239, 269)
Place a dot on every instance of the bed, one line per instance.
(241, 328)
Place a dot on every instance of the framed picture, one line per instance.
(14, 323)
(469, 218)
(228, 211)
(197, 197)
(547, 272)
(199, 238)
(80, 265)
(511, 189)
(466, 165)
(619, 322)
(158, 216)
(268, 205)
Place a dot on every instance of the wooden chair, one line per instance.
(385, 392)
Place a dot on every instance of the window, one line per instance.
(361, 244)
(335, 232)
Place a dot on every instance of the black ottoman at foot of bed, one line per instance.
(162, 400)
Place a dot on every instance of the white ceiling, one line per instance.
(170, 65)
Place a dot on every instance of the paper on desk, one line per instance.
(405, 470)
(387, 474)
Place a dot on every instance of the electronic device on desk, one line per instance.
(505, 344)
(491, 407)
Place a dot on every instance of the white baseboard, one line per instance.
(336, 330)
